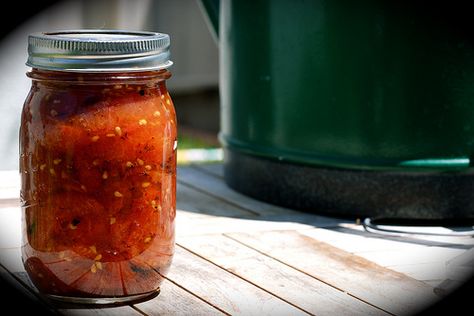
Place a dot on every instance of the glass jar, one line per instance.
(98, 145)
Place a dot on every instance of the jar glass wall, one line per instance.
(98, 168)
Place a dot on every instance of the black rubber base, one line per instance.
(445, 196)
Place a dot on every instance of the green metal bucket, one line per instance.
(361, 108)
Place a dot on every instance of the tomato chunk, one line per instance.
(100, 190)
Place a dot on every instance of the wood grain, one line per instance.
(216, 188)
(193, 200)
(192, 224)
(241, 256)
(110, 311)
(387, 289)
(215, 169)
(174, 300)
(224, 290)
(11, 260)
(295, 287)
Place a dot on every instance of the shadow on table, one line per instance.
(202, 190)
(16, 301)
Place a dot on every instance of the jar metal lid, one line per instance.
(99, 50)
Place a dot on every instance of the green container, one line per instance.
(361, 108)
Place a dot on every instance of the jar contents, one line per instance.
(98, 167)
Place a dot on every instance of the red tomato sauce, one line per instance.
(98, 167)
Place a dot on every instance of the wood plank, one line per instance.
(11, 260)
(191, 224)
(190, 199)
(417, 260)
(190, 221)
(461, 267)
(355, 243)
(411, 256)
(215, 169)
(215, 187)
(174, 300)
(223, 289)
(171, 301)
(430, 273)
(293, 286)
(108, 311)
(387, 289)
(31, 293)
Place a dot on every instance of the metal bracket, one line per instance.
(385, 229)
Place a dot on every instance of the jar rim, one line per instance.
(93, 50)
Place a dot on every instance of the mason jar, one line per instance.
(98, 144)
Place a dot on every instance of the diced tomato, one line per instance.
(135, 228)
(102, 221)
(66, 220)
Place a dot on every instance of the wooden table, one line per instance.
(236, 255)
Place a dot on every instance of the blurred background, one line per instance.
(193, 86)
